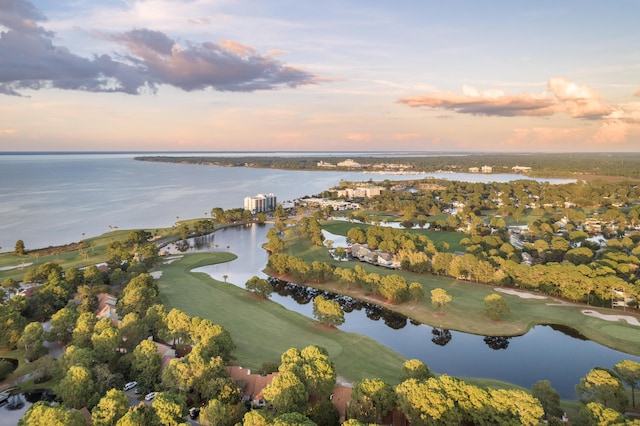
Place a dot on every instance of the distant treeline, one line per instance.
(570, 165)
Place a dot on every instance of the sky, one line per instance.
(292, 75)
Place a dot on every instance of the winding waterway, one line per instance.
(543, 353)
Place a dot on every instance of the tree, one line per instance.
(600, 385)
(10, 285)
(293, 419)
(415, 369)
(32, 340)
(287, 393)
(140, 415)
(254, 418)
(427, 403)
(416, 291)
(215, 413)
(629, 372)
(259, 286)
(19, 249)
(548, 397)
(212, 338)
(324, 413)
(328, 312)
(313, 367)
(105, 340)
(495, 307)
(146, 365)
(439, 298)
(376, 392)
(179, 325)
(111, 407)
(138, 295)
(594, 413)
(83, 331)
(43, 414)
(76, 389)
(12, 324)
(132, 331)
(170, 408)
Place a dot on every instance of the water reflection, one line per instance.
(441, 336)
(497, 342)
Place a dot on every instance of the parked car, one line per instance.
(130, 385)
(194, 412)
(150, 396)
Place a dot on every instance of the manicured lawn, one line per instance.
(340, 227)
(262, 330)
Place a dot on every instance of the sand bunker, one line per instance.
(170, 260)
(629, 319)
(156, 274)
(521, 294)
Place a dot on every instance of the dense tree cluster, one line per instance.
(561, 261)
(392, 287)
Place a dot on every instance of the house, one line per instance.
(251, 385)
(386, 259)
(166, 354)
(107, 307)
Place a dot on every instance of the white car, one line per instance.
(130, 385)
(150, 396)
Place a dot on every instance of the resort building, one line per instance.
(360, 192)
(260, 203)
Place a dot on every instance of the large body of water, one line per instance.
(53, 199)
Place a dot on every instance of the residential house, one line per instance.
(107, 307)
(251, 385)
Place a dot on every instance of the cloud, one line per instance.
(30, 60)
(358, 136)
(7, 132)
(564, 96)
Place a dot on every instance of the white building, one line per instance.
(260, 203)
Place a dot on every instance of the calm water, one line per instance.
(543, 353)
(52, 199)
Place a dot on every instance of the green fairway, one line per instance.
(263, 330)
(340, 227)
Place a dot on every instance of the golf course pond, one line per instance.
(546, 352)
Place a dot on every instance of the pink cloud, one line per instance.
(404, 136)
(359, 136)
(7, 132)
(611, 131)
(238, 48)
(542, 136)
(564, 96)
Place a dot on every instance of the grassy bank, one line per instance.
(262, 329)
(465, 311)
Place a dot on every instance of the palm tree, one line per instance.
(224, 277)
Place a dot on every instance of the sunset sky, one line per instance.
(207, 75)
